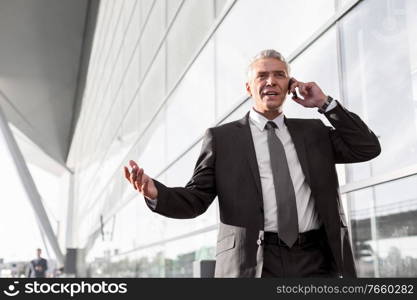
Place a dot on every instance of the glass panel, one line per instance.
(132, 33)
(152, 147)
(98, 36)
(153, 33)
(127, 229)
(129, 7)
(172, 7)
(190, 109)
(131, 126)
(182, 170)
(146, 6)
(220, 6)
(152, 92)
(131, 80)
(184, 39)
(110, 46)
(117, 38)
(383, 229)
(174, 259)
(240, 112)
(319, 64)
(178, 175)
(379, 66)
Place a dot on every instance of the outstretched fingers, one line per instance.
(134, 175)
(133, 164)
(145, 185)
(142, 185)
(127, 173)
(130, 176)
(140, 180)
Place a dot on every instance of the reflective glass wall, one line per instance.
(379, 66)
(163, 71)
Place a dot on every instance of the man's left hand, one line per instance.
(310, 91)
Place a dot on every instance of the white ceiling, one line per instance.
(42, 52)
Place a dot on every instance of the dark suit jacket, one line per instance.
(227, 167)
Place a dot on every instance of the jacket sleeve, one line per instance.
(193, 199)
(351, 139)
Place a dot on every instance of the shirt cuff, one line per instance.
(332, 105)
(151, 202)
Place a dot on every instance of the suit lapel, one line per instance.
(246, 143)
(297, 135)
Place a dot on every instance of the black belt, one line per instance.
(272, 238)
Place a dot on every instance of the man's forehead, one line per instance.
(269, 64)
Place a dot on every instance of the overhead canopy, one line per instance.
(44, 52)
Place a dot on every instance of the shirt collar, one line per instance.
(260, 121)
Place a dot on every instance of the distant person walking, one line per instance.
(38, 266)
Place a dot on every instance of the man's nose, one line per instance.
(270, 81)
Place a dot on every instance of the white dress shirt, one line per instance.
(308, 218)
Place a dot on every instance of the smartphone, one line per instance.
(294, 94)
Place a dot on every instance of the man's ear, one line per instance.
(248, 89)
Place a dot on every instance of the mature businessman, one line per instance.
(275, 179)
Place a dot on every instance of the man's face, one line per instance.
(38, 252)
(268, 84)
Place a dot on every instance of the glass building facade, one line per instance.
(162, 71)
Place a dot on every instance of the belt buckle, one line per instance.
(261, 238)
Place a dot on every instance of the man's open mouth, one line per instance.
(270, 93)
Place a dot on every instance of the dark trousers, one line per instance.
(310, 256)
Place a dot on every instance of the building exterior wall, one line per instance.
(163, 71)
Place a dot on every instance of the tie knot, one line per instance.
(270, 125)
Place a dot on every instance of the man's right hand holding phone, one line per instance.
(312, 94)
(140, 181)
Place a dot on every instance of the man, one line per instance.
(275, 179)
(38, 266)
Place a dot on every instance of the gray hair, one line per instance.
(268, 53)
